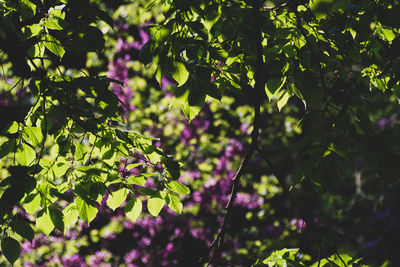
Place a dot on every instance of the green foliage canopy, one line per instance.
(331, 58)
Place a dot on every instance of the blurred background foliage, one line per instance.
(342, 163)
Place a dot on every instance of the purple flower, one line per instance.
(132, 255)
(299, 224)
(385, 123)
(73, 261)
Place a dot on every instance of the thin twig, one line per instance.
(260, 80)
(9, 90)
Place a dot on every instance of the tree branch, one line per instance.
(260, 80)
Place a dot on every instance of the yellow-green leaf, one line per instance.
(32, 203)
(133, 208)
(34, 134)
(155, 205)
(44, 222)
(71, 214)
(86, 210)
(54, 45)
(178, 187)
(25, 155)
(179, 73)
(116, 198)
(174, 203)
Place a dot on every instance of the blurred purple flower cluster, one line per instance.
(118, 69)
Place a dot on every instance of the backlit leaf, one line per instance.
(86, 210)
(116, 198)
(178, 187)
(25, 155)
(133, 208)
(54, 45)
(155, 205)
(71, 214)
(44, 222)
(179, 73)
(174, 203)
(32, 203)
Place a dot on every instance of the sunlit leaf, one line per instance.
(25, 155)
(133, 208)
(139, 180)
(34, 134)
(116, 198)
(178, 187)
(174, 203)
(54, 45)
(86, 210)
(155, 205)
(32, 203)
(71, 214)
(44, 222)
(179, 73)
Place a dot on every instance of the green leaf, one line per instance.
(133, 208)
(80, 152)
(57, 13)
(148, 191)
(27, 9)
(155, 205)
(124, 137)
(52, 24)
(109, 157)
(86, 210)
(104, 17)
(6, 148)
(23, 229)
(31, 30)
(34, 134)
(161, 34)
(280, 257)
(71, 214)
(36, 51)
(13, 128)
(174, 203)
(389, 34)
(396, 90)
(11, 249)
(57, 218)
(54, 45)
(179, 73)
(133, 165)
(25, 155)
(32, 203)
(139, 180)
(320, 8)
(273, 85)
(182, 103)
(283, 99)
(44, 222)
(116, 198)
(172, 168)
(6, 181)
(178, 187)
